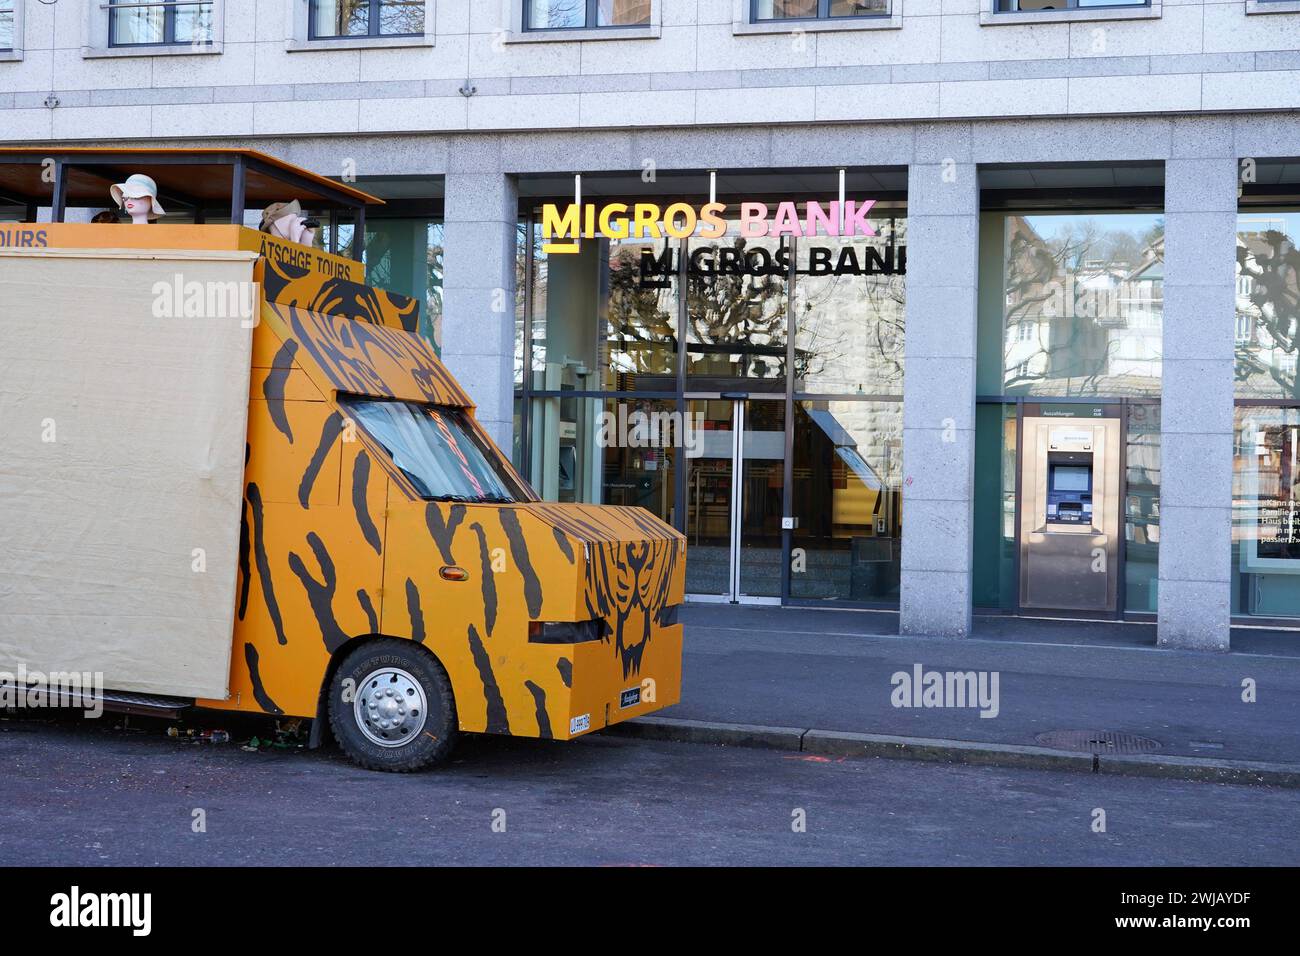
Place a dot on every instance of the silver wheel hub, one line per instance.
(390, 707)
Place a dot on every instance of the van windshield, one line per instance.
(435, 449)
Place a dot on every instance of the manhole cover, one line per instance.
(1098, 742)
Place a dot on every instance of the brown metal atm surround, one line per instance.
(1070, 463)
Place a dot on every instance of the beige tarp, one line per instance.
(123, 409)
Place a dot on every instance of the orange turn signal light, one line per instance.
(450, 572)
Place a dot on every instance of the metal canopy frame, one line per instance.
(324, 193)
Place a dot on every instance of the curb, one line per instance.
(936, 750)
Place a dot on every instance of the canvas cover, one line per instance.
(122, 441)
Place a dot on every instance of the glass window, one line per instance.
(435, 448)
(1268, 304)
(641, 312)
(580, 14)
(566, 347)
(612, 324)
(517, 436)
(523, 263)
(564, 447)
(994, 575)
(401, 255)
(639, 446)
(762, 11)
(405, 255)
(620, 451)
(1265, 524)
(848, 501)
(7, 24)
(1141, 507)
(1082, 304)
(737, 289)
(155, 22)
(1012, 6)
(849, 327)
(334, 19)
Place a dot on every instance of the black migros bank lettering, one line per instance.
(848, 260)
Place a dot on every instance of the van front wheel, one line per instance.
(391, 707)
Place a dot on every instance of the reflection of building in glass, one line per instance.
(847, 488)
(1083, 304)
(849, 335)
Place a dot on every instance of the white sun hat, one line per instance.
(137, 186)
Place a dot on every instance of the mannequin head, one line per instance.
(285, 220)
(138, 198)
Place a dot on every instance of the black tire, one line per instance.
(415, 748)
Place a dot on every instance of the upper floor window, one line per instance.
(158, 22)
(762, 11)
(332, 19)
(7, 24)
(1027, 6)
(582, 14)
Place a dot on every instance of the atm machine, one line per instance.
(1070, 464)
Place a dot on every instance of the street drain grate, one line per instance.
(1098, 742)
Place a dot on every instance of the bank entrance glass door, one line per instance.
(734, 486)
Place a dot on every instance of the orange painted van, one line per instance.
(389, 573)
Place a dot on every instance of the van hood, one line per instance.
(634, 570)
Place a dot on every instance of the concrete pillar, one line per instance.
(939, 387)
(1196, 394)
(478, 324)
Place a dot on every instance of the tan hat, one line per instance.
(137, 186)
(278, 210)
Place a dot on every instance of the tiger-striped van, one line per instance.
(370, 559)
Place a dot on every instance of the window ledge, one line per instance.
(650, 32)
(892, 22)
(10, 56)
(358, 43)
(1272, 6)
(101, 52)
(1021, 17)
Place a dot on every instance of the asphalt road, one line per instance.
(88, 793)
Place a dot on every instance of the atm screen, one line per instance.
(1070, 477)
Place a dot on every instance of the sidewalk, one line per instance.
(831, 671)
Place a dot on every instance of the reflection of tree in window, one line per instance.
(558, 13)
(433, 266)
(642, 325)
(353, 17)
(851, 326)
(737, 322)
(397, 17)
(1269, 301)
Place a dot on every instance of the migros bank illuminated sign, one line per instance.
(563, 227)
